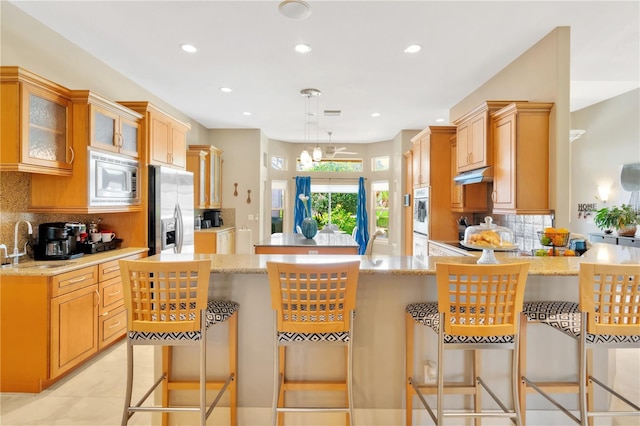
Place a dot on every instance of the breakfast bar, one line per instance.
(322, 243)
(386, 286)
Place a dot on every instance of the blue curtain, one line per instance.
(362, 222)
(303, 186)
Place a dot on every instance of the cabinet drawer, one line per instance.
(70, 281)
(111, 327)
(607, 239)
(111, 269)
(110, 295)
(629, 242)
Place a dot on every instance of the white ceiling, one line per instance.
(357, 59)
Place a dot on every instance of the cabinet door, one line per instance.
(112, 326)
(456, 190)
(462, 152)
(47, 126)
(197, 164)
(216, 179)
(415, 151)
(129, 137)
(178, 147)
(478, 141)
(160, 140)
(104, 125)
(425, 160)
(74, 328)
(504, 185)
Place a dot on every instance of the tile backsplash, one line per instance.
(525, 228)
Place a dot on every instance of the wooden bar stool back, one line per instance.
(478, 307)
(167, 305)
(607, 316)
(312, 303)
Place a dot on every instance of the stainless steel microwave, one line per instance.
(113, 180)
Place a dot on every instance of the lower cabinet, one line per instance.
(215, 242)
(52, 324)
(614, 239)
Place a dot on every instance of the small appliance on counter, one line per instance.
(215, 216)
(56, 241)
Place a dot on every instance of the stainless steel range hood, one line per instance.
(483, 174)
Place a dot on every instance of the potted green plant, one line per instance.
(624, 219)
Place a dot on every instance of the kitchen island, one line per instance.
(322, 243)
(386, 286)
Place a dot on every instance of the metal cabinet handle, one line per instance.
(115, 325)
(99, 298)
(73, 154)
(76, 280)
(114, 294)
(494, 196)
(112, 269)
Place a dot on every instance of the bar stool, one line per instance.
(609, 312)
(167, 305)
(313, 304)
(480, 308)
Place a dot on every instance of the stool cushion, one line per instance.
(342, 336)
(566, 317)
(217, 311)
(427, 314)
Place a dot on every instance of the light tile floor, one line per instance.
(92, 395)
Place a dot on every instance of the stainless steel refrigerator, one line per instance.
(171, 213)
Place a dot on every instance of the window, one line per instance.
(333, 165)
(335, 204)
(381, 199)
(278, 163)
(278, 192)
(380, 164)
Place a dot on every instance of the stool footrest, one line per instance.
(307, 385)
(312, 409)
(554, 387)
(195, 385)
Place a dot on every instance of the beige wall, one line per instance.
(539, 74)
(612, 139)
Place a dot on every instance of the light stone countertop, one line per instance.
(297, 240)
(216, 229)
(370, 265)
(38, 268)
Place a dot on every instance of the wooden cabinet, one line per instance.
(74, 329)
(408, 209)
(52, 324)
(434, 165)
(36, 124)
(205, 161)
(614, 239)
(165, 136)
(474, 138)
(521, 159)
(104, 124)
(215, 242)
(466, 198)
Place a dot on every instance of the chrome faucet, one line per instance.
(4, 249)
(16, 253)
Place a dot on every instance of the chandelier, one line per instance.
(307, 159)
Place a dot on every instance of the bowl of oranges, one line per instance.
(554, 237)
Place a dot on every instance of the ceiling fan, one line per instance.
(330, 151)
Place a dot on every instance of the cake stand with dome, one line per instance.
(489, 237)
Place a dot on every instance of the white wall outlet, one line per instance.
(250, 217)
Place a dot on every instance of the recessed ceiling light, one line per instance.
(439, 120)
(246, 113)
(413, 48)
(302, 48)
(189, 48)
(295, 9)
(225, 89)
(375, 114)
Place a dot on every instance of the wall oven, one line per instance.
(420, 222)
(113, 180)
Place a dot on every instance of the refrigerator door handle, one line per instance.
(179, 229)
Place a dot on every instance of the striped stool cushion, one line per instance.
(565, 316)
(427, 314)
(217, 311)
(342, 336)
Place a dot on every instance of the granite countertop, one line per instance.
(298, 240)
(406, 265)
(37, 268)
(216, 229)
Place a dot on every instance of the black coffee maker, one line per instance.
(55, 242)
(215, 216)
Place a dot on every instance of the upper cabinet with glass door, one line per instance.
(36, 124)
(208, 171)
(108, 125)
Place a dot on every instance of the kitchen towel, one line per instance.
(244, 245)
